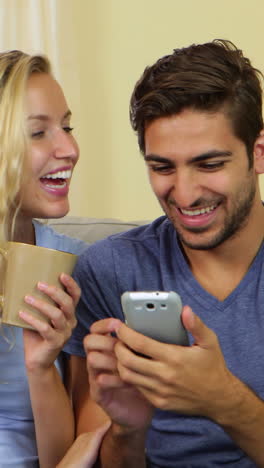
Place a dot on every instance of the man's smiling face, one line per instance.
(199, 171)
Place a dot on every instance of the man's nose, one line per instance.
(186, 188)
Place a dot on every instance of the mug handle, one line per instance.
(3, 252)
(1, 305)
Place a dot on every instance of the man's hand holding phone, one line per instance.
(187, 379)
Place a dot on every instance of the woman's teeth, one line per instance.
(59, 175)
(60, 185)
(56, 179)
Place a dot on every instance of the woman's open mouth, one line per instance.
(56, 181)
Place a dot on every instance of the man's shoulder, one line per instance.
(139, 248)
(138, 237)
(152, 230)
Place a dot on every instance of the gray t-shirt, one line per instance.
(150, 258)
(17, 435)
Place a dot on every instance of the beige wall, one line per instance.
(115, 40)
(99, 49)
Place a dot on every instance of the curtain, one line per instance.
(30, 25)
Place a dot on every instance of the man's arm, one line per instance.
(123, 450)
(243, 420)
(130, 414)
(195, 381)
(88, 415)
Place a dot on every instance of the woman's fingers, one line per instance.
(61, 311)
(72, 287)
(84, 451)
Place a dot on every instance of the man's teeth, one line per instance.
(198, 212)
(59, 175)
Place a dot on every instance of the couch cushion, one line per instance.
(91, 229)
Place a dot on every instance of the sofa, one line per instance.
(91, 229)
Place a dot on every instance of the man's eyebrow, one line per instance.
(201, 157)
(155, 157)
(45, 117)
(211, 154)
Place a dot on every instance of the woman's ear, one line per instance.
(259, 153)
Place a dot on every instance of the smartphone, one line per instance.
(156, 314)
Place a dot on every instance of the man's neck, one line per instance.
(220, 270)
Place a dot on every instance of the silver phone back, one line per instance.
(156, 314)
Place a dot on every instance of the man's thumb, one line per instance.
(201, 333)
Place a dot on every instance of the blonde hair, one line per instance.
(15, 69)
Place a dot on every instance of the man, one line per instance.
(198, 117)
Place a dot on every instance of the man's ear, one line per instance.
(259, 154)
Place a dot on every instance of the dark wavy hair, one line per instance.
(207, 77)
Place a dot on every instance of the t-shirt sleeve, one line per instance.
(46, 236)
(96, 275)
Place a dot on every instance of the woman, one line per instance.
(38, 156)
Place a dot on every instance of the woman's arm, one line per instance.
(51, 405)
(53, 416)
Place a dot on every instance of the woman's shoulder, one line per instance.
(46, 236)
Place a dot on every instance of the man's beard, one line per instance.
(233, 223)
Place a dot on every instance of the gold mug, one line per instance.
(22, 267)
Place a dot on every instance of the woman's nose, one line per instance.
(66, 146)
